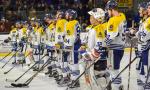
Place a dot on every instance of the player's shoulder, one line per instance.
(61, 22)
(122, 16)
(89, 26)
(74, 22)
(51, 25)
(64, 20)
(14, 29)
(99, 26)
(147, 24)
(148, 19)
(24, 28)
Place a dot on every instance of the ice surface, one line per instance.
(43, 82)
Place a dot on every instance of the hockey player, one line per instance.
(143, 36)
(37, 42)
(22, 36)
(97, 47)
(116, 30)
(71, 43)
(140, 67)
(50, 42)
(86, 36)
(59, 41)
(13, 40)
(16, 38)
(30, 39)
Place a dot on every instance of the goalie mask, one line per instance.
(98, 14)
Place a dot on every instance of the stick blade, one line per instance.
(5, 72)
(19, 85)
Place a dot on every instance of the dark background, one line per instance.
(20, 10)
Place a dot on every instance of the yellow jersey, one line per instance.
(60, 31)
(72, 31)
(22, 33)
(100, 36)
(39, 32)
(116, 29)
(50, 35)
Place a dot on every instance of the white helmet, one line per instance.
(97, 13)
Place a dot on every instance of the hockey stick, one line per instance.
(130, 58)
(110, 82)
(40, 47)
(9, 59)
(6, 56)
(130, 64)
(10, 69)
(27, 70)
(14, 65)
(39, 53)
(31, 78)
(73, 83)
(25, 53)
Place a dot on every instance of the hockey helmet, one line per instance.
(111, 4)
(71, 13)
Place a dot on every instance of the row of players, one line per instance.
(104, 39)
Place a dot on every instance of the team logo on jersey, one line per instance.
(59, 29)
(111, 27)
(13, 31)
(68, 32)
(99, 34)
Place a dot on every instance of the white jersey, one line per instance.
(37, 35)
(50, 35)
(84, 37)
(72, 30)
(96, 37)
(116, 29)
(21, 33)
(144, 34)
(13, 35)
(91, 38)
(60, 31)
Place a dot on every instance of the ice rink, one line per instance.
(43, 82)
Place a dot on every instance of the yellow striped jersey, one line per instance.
(100, 36)
(50, 35)
(72, 30)
(116, 29)
(60, 30)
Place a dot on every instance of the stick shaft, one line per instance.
(10, 59)
(27, 70)
(43, 66)
(120, 72)
(6, 56)
(130, 64)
